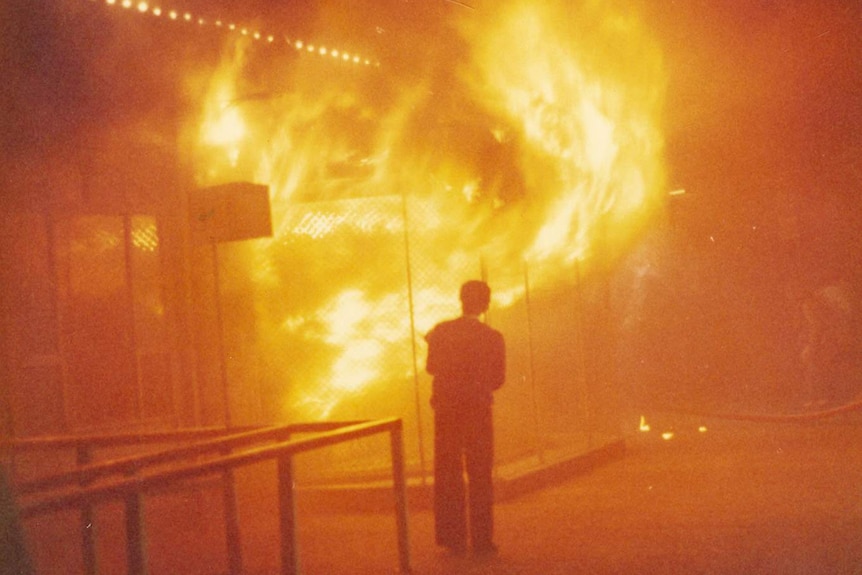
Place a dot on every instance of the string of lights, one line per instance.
(145, 8)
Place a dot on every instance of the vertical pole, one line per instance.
(231, 520)
(287, 517)
(400, 487)
(417, 397)
(582, 356)
(540, 453)
(220, 328)
(128, 255)
(136, 551)
(57, 301)
(232, 534)
(88, 527)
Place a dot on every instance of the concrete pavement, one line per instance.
(735, 497)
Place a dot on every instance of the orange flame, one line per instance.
(563, 153)
(588, 111)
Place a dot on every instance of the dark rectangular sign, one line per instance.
(231, 212)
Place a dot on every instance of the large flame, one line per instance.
(532, 135)
(583, 89)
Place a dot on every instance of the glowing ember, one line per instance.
(542, 144)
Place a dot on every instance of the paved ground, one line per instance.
(771, 498)
(741, 497)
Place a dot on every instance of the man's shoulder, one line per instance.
(494, 334)
(443, 326)
(464, 325)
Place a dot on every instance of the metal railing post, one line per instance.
(88, 525)
(400, 486)
(287, 517)
(136, 551)
(231, 520)
(131, 488)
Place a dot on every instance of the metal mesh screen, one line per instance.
(333, 312)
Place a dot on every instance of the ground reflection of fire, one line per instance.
(538, 139)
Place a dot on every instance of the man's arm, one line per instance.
(497, 371)
(432, 362)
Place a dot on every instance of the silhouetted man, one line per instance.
(468, 361)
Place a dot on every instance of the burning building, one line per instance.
(404, 147)
(509, 148)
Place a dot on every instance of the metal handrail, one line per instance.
(133, 489)
(84, 446)
(135, 463)
(117, 439)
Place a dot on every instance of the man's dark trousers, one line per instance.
(464, 438)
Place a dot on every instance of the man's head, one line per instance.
(475, 297)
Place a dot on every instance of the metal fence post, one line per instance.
(88, 525)
(400, 487)
(231, 520)
(136, 551)
(287, 517)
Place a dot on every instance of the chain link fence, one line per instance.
(326, 320)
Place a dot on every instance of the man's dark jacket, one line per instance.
(468, 361)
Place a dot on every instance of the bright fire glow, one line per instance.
(587, 116)
(226, 129)
(541, 143)
(644, 426)
(353, 325)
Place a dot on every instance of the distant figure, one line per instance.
(828, 351)
(468, 361)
